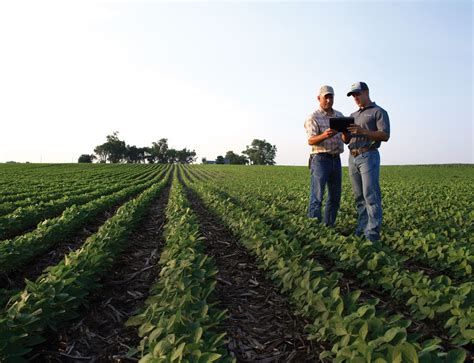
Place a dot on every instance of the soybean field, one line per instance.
(219, 263)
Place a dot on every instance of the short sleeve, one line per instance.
(382, 121)
(311, 126)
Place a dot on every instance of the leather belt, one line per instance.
(329, 154)
(356, 152)
(324, 154)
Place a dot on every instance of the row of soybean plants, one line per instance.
(81, 184)
(427, 216)
(29, 216)
(180, 320)
(18, 251)
(355, 329)
(57, 294)
(54, 188)
(450, 258)
(437, 196)
(376, 265)
(453, 257)
(448, 213)
(445, 252)
(18, 184)
(14, 178)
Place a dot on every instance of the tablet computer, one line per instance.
(340, 123)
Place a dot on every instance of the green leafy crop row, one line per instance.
(448, 250)
(179, 322)
(375, 265)
(17, 252)
(26, 217)
(57, 294)
(30, 184)
(356, 331)
(29, 198)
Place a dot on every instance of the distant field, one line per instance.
(220, 263)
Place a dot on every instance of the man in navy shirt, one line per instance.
(371, 127)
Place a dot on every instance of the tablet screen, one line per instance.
(340, 123)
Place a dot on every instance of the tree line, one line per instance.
(259, 152)
(115, 150)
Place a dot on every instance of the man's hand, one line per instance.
(357, 130)
(346, 137)
(329, 133)
(371, 135)
(317, 139)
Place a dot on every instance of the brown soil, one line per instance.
(261, 326)
(100, 334)
(15, 280)
(349, 282)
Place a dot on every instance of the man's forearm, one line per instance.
(377, 135)
(317, 139)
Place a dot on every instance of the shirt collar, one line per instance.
(370, 105)
(326, 113)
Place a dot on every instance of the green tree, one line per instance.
(260, 152)
(113, 150)
(148, 155)
(186, 156)
(172, 156)
(102, 152)
(86, 158)
(135, 154)
(142, 154)
(132, 154)
(220, 159)
(159, 151)
(117, 148)
(236, 159)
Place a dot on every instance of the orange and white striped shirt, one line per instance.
(316, 124)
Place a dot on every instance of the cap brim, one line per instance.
(349, 94)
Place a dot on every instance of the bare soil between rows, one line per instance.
(15, 280)
(349, 282)
(100, 334)
(261, 326)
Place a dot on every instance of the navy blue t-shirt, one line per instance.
(373, 118)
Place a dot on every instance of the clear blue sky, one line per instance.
(213, 76)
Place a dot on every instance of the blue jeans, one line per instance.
(364, 171)
(325, 169)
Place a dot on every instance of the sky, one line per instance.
(213, 76)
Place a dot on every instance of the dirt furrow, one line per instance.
(100, 335)
(16, 279)
(349, 283)
(261, 326)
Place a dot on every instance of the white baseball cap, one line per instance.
(326, 90)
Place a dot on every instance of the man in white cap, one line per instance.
(371, 127)
(324, 161)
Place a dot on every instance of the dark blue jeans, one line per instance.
(325, 169)
(364, 171)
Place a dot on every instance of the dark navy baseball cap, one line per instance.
(357, 87)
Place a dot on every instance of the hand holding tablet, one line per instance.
(340, 123)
